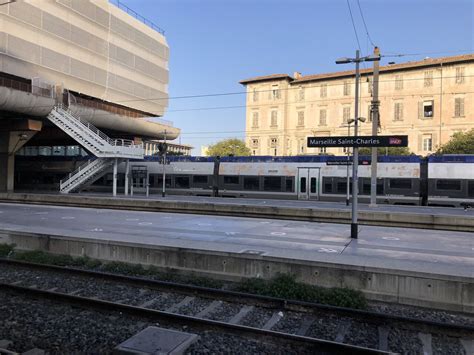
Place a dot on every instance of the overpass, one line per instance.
(88, 73)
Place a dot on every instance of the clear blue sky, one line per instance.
(216, 43)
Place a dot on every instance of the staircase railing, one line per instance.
(99, 133)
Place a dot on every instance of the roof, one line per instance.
(386, 68)
(265, 78)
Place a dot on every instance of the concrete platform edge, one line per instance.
(393, 219)
(404, 287)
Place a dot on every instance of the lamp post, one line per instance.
(355, 156)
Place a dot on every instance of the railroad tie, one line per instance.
(209, 309)
(383, 338)
(242, 313)
(426, 341)
(273, 320)
(75, 292)
(468, 345)
(342, 331)
(305, 325)
(187, 300)
(149, 303)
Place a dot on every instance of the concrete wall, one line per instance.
(91, 47)
(421, 289)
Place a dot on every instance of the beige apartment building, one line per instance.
(427, 100)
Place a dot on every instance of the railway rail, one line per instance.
(304, 324)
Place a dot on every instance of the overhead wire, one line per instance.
(365, 25)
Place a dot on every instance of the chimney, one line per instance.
(297, 75)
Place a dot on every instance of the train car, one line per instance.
(304, 178)
(451, 180)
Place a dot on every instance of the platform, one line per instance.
(402, 265)
(439, 218)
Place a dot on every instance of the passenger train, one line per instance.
(402, 180)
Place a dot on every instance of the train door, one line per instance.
(308, 183)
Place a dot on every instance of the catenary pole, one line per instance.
(375, 125)
(355, 155)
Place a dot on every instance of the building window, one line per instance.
(323, 91)
(273, 142)
(398, 111)
(274, 119)
(426, 109)
(255, 120)
(275, 92)
(459, 107)
(300, 118)
(427, 142)
(322, 117)
(428, 78)
(301, 94)
(254, 142)
(459, 75)
(346, 114)
(398, 82)
(255, 95)
(347, 88)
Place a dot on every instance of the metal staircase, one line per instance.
(98, 143)
(85, 174)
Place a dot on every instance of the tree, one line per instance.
(386, 151)
(229, 147)
(460, 143)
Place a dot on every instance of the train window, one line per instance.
(303, 184)
(272, 183)
(341, 186)
(181, 182)
(200, 179)
(231, 180)
(327, 185)
(313, 185)
(448, 185)
(251, 183)
(470, 188)
(400, 184)
(366, 186)
(289, 184)
(159, 181)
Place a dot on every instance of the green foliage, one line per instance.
(6, 250)
(460, 143)
(285, 286)
(232, 146)
(386, 151)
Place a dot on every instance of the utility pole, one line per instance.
(355, 154)
(374, 110)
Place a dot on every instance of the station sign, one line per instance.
(347, 162)
(359, 141)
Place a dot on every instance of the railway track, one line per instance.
(302, 324)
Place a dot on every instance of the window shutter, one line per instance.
(420, 109)
(461, 107)
(420, 142)
(434, 141)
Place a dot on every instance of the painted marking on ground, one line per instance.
(68, 217)
(278, 233)
(327, 250)
(97, 230)
(390, 238)
(145, 223)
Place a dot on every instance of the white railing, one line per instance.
(98, 132)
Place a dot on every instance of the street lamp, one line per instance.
(355, 156)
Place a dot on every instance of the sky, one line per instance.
(216, 43)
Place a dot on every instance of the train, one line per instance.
(437, 180)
